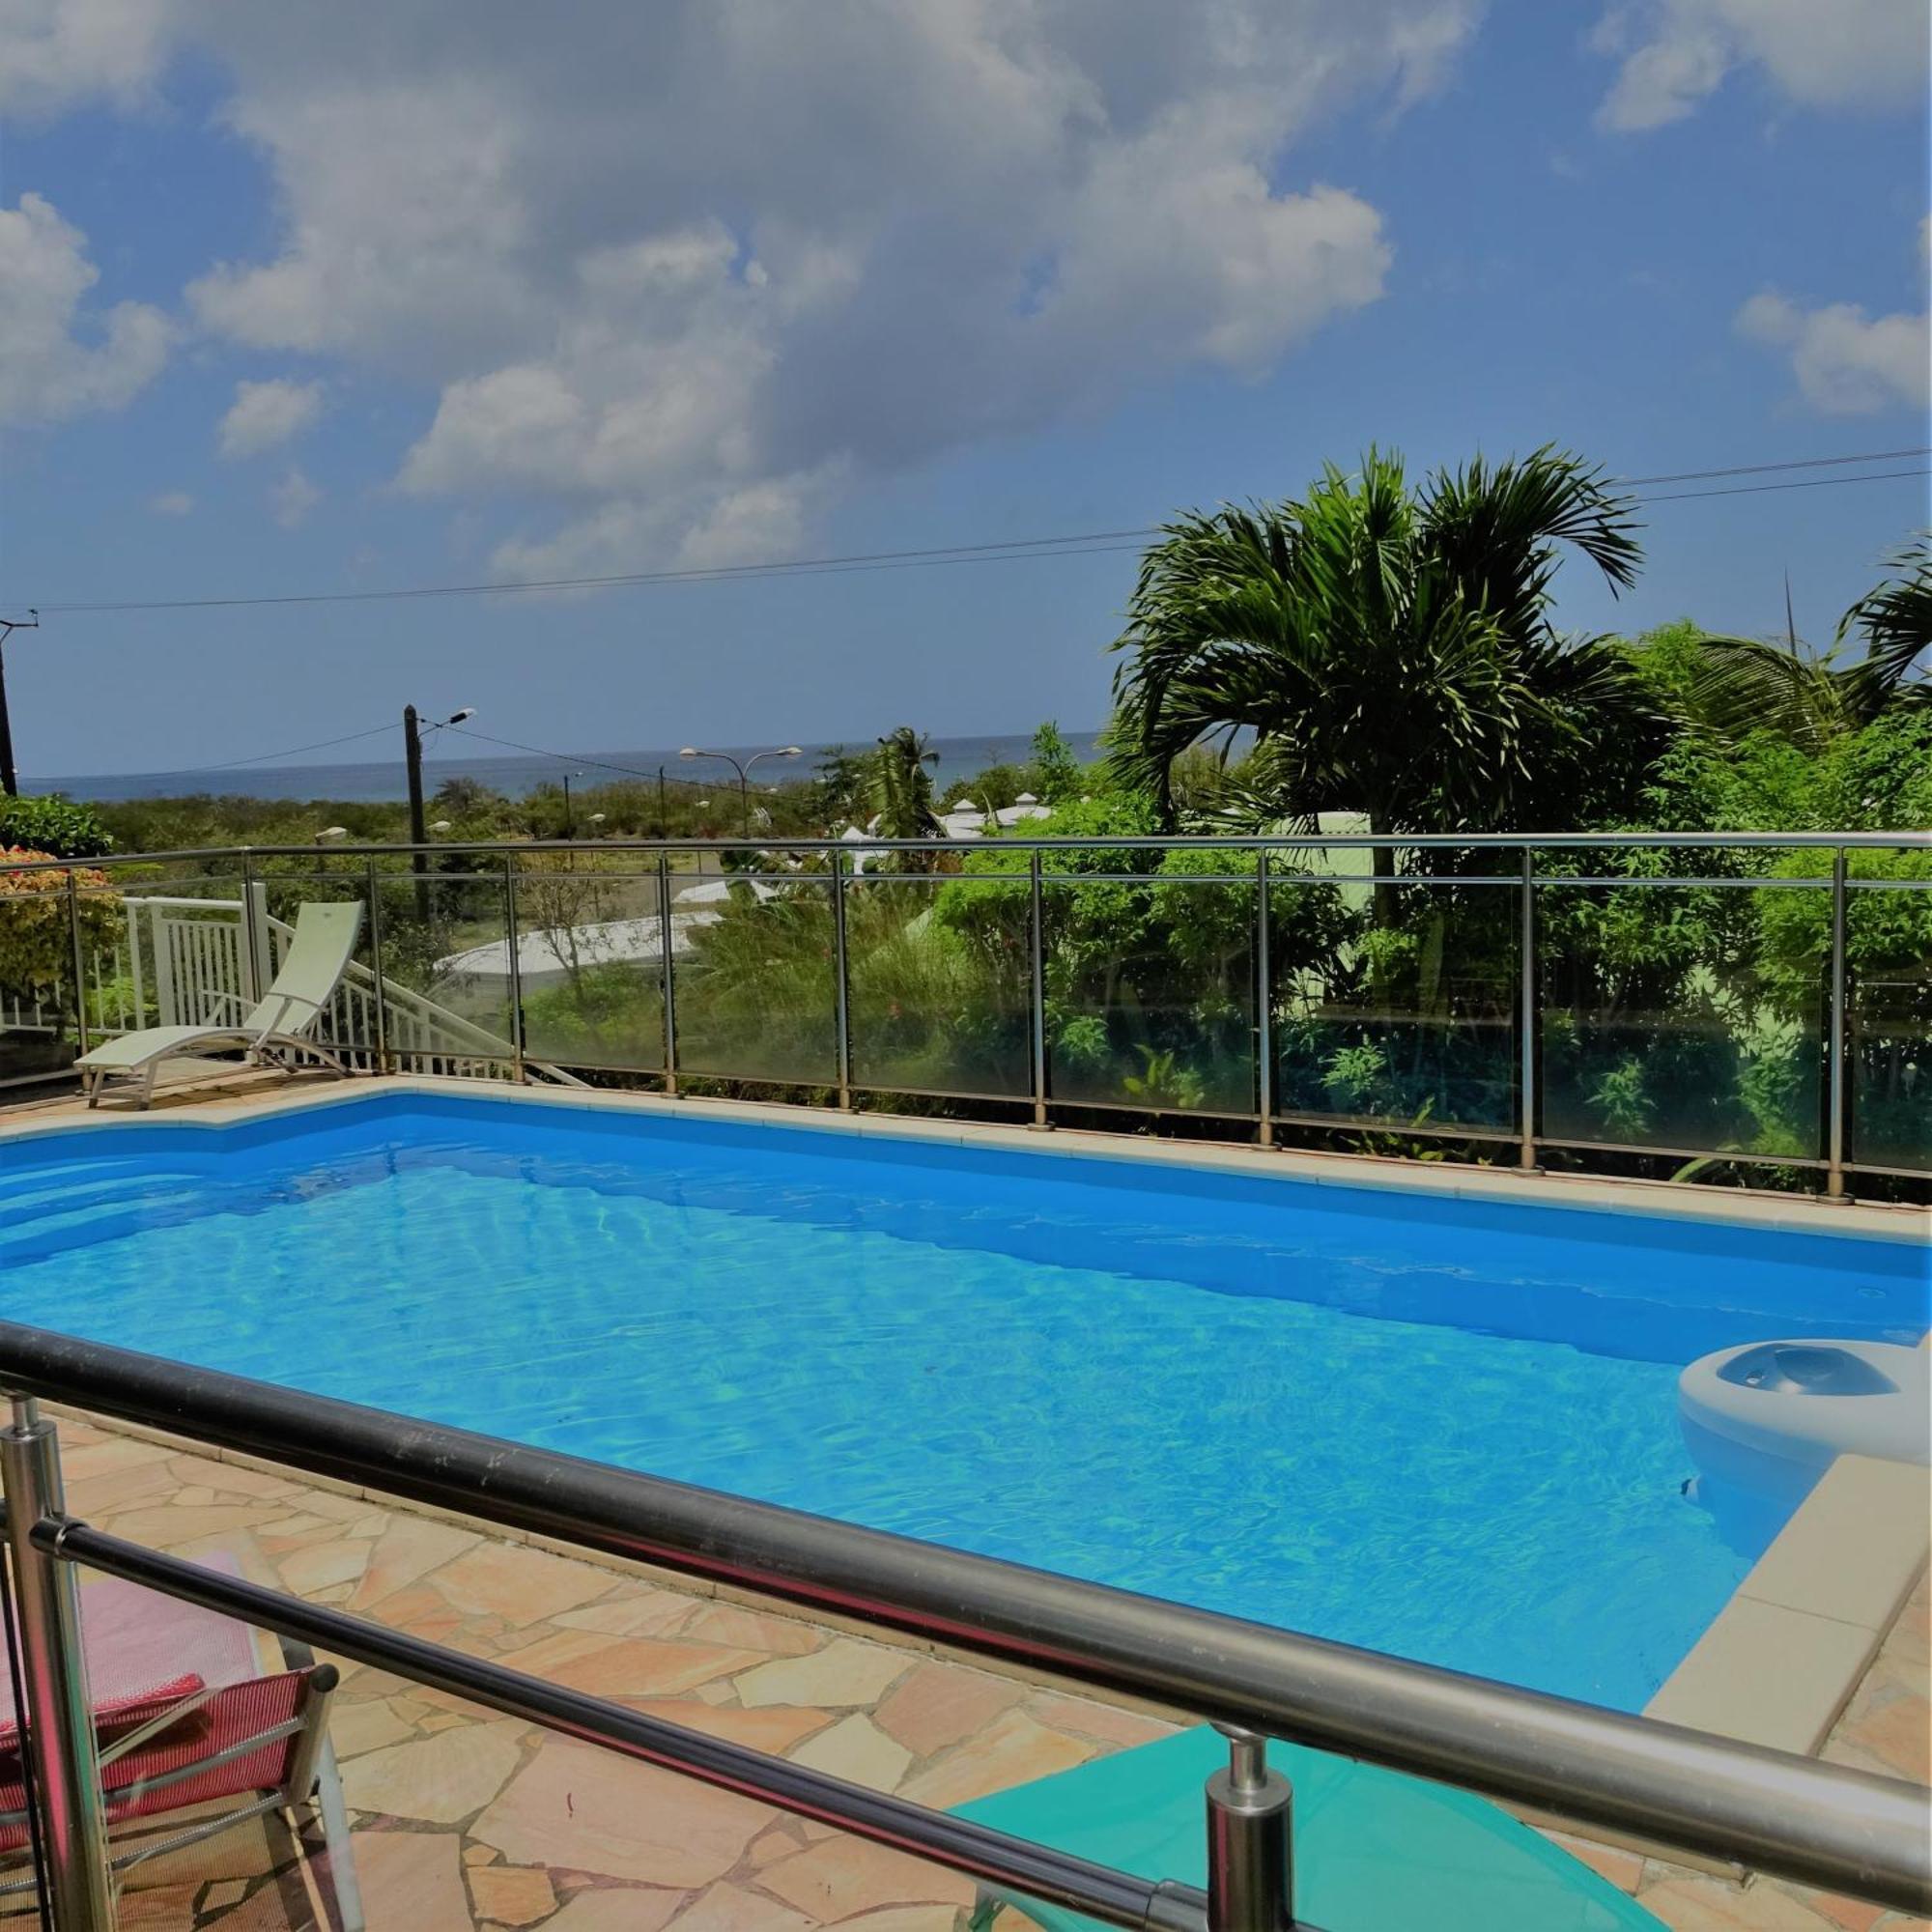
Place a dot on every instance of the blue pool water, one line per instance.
(1436, 1426)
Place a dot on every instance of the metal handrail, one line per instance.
(1340, 842)
(1792, 1817)
(1041, 1871)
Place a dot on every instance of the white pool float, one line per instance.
(1771, 1416)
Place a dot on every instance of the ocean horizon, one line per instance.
(381, 780)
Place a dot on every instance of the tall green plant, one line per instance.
(1390, 649)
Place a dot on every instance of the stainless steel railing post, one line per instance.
(1037, 948)
(1835, 1097)
(1250, 1841)
(79, 963)
(1264, 1003)
(670, 996)
(1526, 1009)
(842, 1012)
(384, 1063)
(58, 1716)
(519, 1066)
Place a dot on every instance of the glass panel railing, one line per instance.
(1888, 1044)
(940, 985)
(591, 947)
(1151, 987)
(754, 975)
(1396, 1003)
(1685, 1017)
(447, 973)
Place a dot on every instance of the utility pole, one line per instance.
(10, 778)
(412, 760)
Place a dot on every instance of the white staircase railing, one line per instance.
(186, 960)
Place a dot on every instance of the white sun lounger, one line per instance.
(280, 1027)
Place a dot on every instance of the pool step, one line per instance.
(45, 1223)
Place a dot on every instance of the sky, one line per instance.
(380, 294)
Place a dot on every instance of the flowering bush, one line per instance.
(36, 941)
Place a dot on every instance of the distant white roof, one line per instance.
(718, 891)
(546, 954)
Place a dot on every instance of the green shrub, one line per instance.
(55, 826)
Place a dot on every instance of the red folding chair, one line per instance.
(185, 1715)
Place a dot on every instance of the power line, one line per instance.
(575, 758)
(1085, 543)
(266, 757)
(1807, 483)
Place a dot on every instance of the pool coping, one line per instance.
(1781, 1214)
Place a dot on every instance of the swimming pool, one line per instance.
(1436, 1426)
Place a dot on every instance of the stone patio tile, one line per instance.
(512, 1894)
(323, 1566)
(439, 1779)
(243, 1851)
(939, 1704)
(118, 1489)
(1623, 1869)
(648, 1613)
(775, 1729)
(730, 1908)
(88, 1453)
(416, 1608)
(842, 1876)
(616, 1908)
(233, 1476)
(365, 1725)
(1895, 1732)
(1104, 1723)
(751, 1629)
(1013, 1750)
(161, 1908)
(165, 1527)
(857, 1749)
(407, 1550)
(583, 1809)
(617, 1666)
(519, 1584)
(844, 1673)
(411, 1879)
(1694, 1904)
(907, 1919)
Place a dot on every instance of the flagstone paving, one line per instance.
(465, 1819)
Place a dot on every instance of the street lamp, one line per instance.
(744, 771)
(440, 826)
(569, 823)
(330, 834)
(412, 760)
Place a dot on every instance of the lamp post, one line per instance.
(744, 771)
(413, 759)
(569, 823)
(10, 778)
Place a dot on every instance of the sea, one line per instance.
(381, 781)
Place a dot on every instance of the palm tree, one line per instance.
(1743, 685)
(1391, 651)
(902, 786)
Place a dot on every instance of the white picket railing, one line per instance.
(189, 961)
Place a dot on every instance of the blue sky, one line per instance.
(720, 286)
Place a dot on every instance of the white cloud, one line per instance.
(686, 270)
(1822, 53)
(1847, 363)
(171, 503)
(293, 498)
(56, 361)
(264, 415)
(54, 52)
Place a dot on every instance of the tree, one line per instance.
(1738, 686)
(1058, 778)
(901, 787)
(1391, 651)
